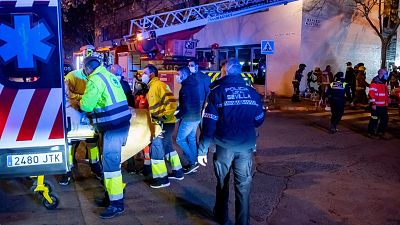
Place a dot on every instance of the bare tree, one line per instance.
(381, 15)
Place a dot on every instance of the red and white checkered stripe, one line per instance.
(28, 3)
(30, 117)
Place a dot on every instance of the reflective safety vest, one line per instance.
(379, 94)
(105, 101)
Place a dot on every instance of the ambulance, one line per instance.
(32, 125)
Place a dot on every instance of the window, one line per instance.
(244, 57)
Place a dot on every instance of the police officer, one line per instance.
(105, 102)
(337, 93)
(233, 112)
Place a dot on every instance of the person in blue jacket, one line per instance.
(233, 112)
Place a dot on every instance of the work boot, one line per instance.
(159, 182)
(191, 168)
(116, 208)
(66, 179)
(176, 175)
(111, 212)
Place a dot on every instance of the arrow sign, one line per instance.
(267, 47)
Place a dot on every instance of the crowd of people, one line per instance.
(335, 90)
(225, 114)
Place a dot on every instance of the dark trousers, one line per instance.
(379, 120)
(296, 88)
(240, 161)
(337, 110)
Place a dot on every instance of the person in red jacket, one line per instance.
(379, 99)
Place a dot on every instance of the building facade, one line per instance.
(328, 37)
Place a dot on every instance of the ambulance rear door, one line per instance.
(32, 135)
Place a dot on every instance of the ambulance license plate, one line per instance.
(34, 159)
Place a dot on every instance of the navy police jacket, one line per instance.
(233, 112)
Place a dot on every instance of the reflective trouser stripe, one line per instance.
(173, 158)
(114, 185)
(158, 168)
(374, 117)
(147, 160)
(71, 156)
(94, 155)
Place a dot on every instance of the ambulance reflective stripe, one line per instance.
(248, 75)
(173, 158)
(7, 97)
(31, 117)
(213, 76)
(113, 181)
(158, 168)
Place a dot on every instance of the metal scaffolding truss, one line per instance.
(178, 20)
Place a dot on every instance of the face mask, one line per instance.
(192, 69)
(145, 78)
(178, 79)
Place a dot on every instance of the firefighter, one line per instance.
(361, 87)
(75, 85)
(162, 106)
(379, 99)
(337, 93)
(105, 102)
(296, 83)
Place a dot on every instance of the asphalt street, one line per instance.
(302, 175)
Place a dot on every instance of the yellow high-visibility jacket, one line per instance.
(162, 103)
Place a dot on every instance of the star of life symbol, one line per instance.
(24, 42)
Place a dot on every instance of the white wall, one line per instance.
(338, 40)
